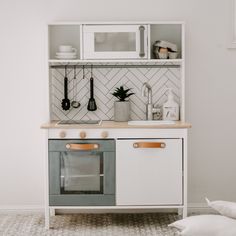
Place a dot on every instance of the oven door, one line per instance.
(81, 172)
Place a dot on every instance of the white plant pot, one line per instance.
(121, 111)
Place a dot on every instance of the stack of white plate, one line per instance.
(66, 52)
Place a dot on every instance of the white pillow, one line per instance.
(224, 208)
(206, 225)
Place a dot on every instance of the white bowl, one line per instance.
(66, 57)
(67, 48)
(173, 55)
(162, 55)
(66, 54)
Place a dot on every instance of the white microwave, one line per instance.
(115, 42)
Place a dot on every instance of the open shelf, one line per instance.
(166, 32)
(63, 35)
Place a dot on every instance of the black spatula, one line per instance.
(65, 104)
(91, 103)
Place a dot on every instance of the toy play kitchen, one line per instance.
(101, 71)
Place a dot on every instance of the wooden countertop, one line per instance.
(115, 125)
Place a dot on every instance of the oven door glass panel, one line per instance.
(81, 172)
(115, 42)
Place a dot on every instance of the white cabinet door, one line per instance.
(149, 172)
(115, 41)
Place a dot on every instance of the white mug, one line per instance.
(67, 48)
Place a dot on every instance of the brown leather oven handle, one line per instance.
(149, 145)
(82, 146)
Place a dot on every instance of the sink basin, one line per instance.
(151, 122)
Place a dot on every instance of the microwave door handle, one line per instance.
(141, 34)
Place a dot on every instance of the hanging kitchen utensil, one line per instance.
(92, 103)
(83, 73)
(65, 101)
(74, 103)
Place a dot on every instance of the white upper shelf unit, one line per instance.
(116, 42)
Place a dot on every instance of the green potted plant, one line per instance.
(122, 106)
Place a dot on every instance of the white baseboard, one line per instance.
(104, 211)
(198, 208)
(21, 209)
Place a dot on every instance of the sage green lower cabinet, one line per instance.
(81, 172)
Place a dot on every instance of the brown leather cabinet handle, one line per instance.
(149, 145)
(82, 146)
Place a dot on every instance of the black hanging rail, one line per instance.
(115, 66)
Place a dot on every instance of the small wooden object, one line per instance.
(82, 135)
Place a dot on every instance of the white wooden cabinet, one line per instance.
(146, 177)
(114, 41)
(149, 175)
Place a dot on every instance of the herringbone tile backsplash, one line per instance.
(105, 81)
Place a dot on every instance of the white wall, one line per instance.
(211, 89)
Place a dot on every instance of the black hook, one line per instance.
(83, 73)
(65, 70)
(74, 71)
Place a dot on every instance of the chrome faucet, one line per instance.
(147, 92)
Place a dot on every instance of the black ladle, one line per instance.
(91, 103)
(74, 103)
(65, 104)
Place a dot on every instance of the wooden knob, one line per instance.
(104, 134)
(62, 134)
(82, 134)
